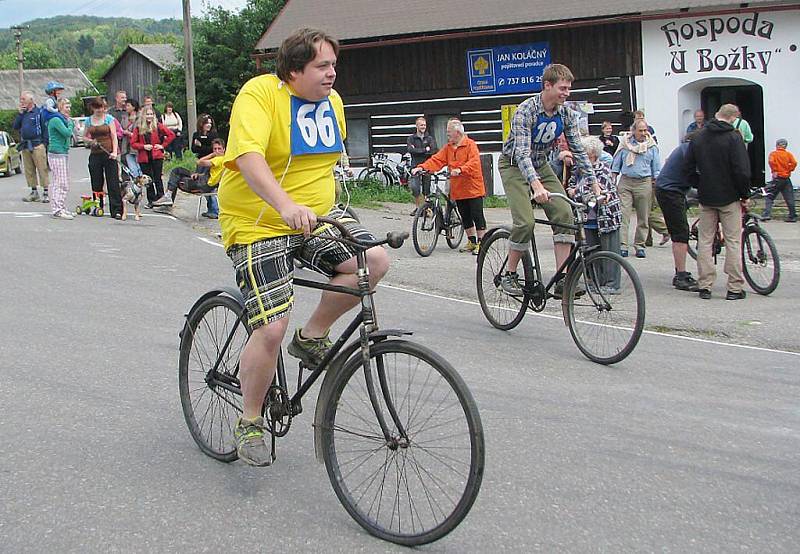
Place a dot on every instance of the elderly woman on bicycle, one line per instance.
(462, 157)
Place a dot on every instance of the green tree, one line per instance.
(36, 55)
(223, 43)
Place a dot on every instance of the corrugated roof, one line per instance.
(162, 55)
(74, 80)
(351, 20)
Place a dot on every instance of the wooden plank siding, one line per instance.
(134, 74)
(389, 86)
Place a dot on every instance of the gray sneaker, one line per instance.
(32, 197)
(510, 284)
(310, 351)
(45, 197)
(164, 201)
(250, 443)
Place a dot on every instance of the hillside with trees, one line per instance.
(90, 43)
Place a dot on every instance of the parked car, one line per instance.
(77, 131)
(10, 158)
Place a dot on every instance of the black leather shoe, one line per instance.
(735, 295)
(704, 294)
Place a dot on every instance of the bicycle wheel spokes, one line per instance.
(210, 409)
(760, 262)
(415, 490)
(607, 320)
(426, 229)
(503, 310)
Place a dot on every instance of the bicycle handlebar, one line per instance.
(394, 239)
(593, 201)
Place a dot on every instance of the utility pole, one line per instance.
(191, 106)
(18, 37)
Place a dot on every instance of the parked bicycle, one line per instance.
(386, 171)
(395, 425)
(602, 300)
(761, 263)
(437, 215)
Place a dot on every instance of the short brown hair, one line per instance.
(638, 114)
(298, 49)
(556, 72)
(96, 103)
(218, 141)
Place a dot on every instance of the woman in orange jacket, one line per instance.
(462, 157)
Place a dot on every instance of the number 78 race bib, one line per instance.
(314, 128)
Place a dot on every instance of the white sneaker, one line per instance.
(63, 215)
(165, 200)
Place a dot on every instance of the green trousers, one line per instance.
(518, 193)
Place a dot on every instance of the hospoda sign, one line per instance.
(507, 69)
(729, 44)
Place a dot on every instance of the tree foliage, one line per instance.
(223, 44)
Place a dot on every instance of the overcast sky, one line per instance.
(13, 12)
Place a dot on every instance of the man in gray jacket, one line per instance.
(421, 146)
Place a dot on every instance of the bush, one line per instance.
(7, 120)
(189, 161)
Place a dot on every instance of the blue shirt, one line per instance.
(671, 176)
(647, 164)
(32, 128)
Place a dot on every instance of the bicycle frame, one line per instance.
(365, 320)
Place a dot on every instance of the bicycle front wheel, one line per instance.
(503, 310)
(408, 490)
(604, 303)
(760, 262)
(380, 176)
(455, 230)
(213, 333)
(426, 228)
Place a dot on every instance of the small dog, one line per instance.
(132, 194)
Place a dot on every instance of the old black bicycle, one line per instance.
(761, 263)
(437, 215)
(602, 301)
(395, 425)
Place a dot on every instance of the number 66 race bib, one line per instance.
(314, 128)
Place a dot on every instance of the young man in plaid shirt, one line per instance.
(535, 129)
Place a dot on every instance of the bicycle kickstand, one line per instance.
(272, 447)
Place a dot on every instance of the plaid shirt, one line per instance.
(529, 157)
(609, 213)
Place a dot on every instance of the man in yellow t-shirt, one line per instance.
(286, 135)
(205, 180)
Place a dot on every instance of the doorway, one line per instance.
(750, 99)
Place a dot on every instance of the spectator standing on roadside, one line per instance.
(172, 121)
(103, 169)
(421, 145)
(743, 127)
(119, 110)
(671, 189)
(463, 159)
(128, 153)
(698, 123)
(32, 139)
(638, 161)
(781, 163)
(717, 165)
(150, 139)
(604, 218)
(59, 130)
(203, 137)
(607, 137)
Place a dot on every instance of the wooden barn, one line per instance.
(137, 71)
(471, 58)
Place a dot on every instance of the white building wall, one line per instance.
(683, 56)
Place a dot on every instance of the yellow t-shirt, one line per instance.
(262, 121)
(215, 171)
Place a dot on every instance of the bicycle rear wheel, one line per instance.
(210, 409)
(426, 228)
(380, 176)
(607, 320)
(412, 491)
(455, 230)
(760, 262)
(503, 310)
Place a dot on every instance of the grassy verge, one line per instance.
(189, 161)
(370, 194)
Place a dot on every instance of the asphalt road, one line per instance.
(688, 445)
